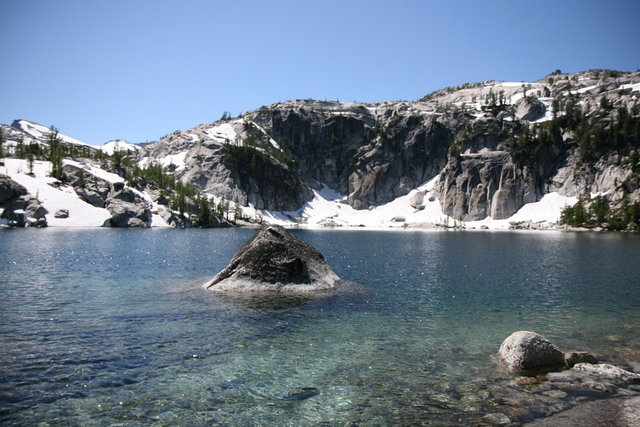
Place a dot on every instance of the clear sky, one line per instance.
(137, 70)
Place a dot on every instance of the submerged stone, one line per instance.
(574, 357)
(302, 393)
(274, 260)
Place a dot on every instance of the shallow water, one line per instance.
(102, 327)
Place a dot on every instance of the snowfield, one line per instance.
(118, 145)
(327, 209)
(40, 132)
(81, 214)
(223, 132)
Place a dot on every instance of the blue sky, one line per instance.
(137, 70)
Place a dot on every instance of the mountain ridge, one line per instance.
(494, 147)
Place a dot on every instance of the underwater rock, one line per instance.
(574, 357)
(302, 393)
(607, 372)
(525, 351)
(622, 411)
(274, 260)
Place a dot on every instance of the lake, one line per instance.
(108, 326)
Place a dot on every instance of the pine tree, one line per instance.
(237, 211)
(600, 208)
(204, 211)
(80, 176)
(55, 153)
(30, 163)
(20, 148)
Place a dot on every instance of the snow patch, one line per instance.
(40, 132)
(118, 145)
(94, 170)
(329, 208)
(635, 87)
(546, 210)
(272, 141)
(222, 133)
(176, 159)
(81, 214)
(513, 84)
(586, 89)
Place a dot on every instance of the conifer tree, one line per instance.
(20, 148)
(30, 163)
(55, 153)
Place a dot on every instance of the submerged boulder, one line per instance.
(274, 260)
(574, 357)
(524, 352)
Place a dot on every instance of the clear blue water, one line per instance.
(106, 326)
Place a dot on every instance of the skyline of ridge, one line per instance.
(138, 71)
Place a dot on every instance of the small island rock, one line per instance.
(525, 351)
(274, 260)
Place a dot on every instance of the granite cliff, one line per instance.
(489, 148)
(496, 146)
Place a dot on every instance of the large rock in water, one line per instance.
(523, 352)
(274, 260)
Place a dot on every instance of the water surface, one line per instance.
(106, 326)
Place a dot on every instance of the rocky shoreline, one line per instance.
(574, 387)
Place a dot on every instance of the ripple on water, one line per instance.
(103, 327)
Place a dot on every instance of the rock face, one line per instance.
(525, 352)
(416, 199)
(19, 208)
(61, 213)
(127, 209)
(530, 108)
(92, 197)
(9, 189)
(490, 142)
(478, 185)
(274, 260)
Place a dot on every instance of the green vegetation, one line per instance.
(593, 135)
(56, 152)
(184, 198)
(598, 212)
(495, 103)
